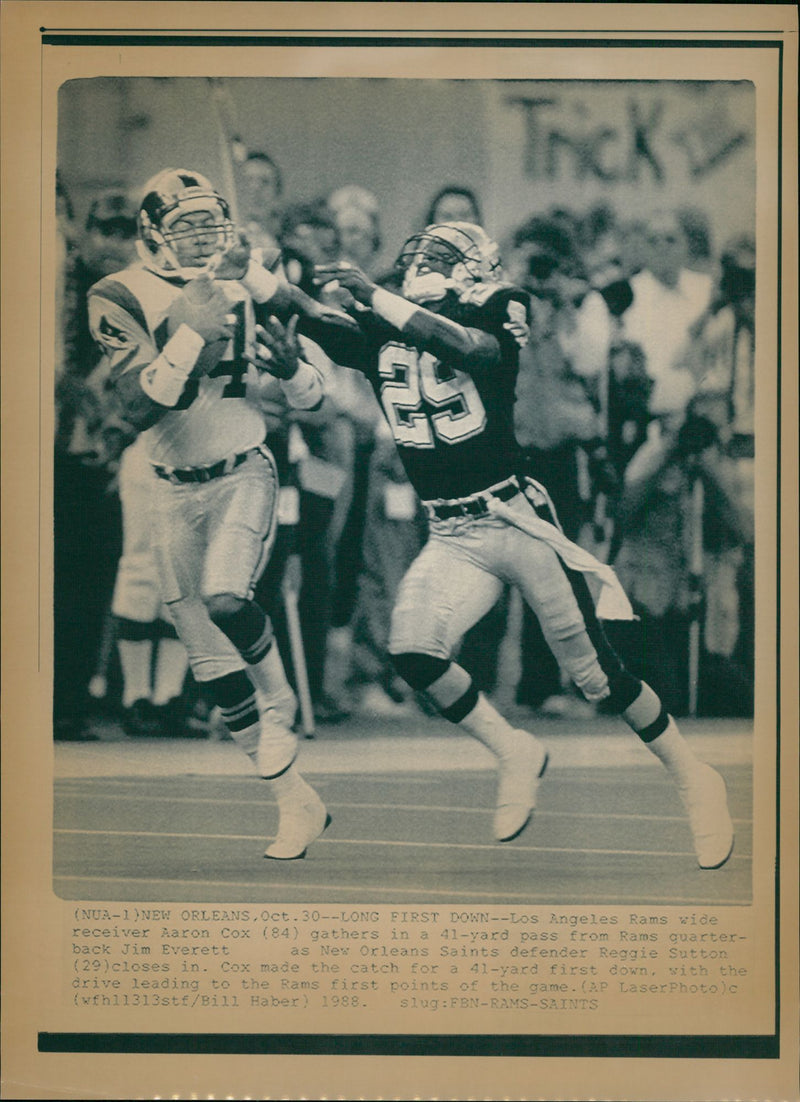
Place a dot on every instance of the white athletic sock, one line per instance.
(269, 677)
(135, 658)
(671, 748)
(486, 724)
(288, 787)
(171, 665)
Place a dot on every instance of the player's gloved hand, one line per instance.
(276, 348)
(348, 276)
(204, 307)
(232, 264)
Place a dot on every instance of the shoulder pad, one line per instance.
(493, 310)
(116, 289)
(480, 293)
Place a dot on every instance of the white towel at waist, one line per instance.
(610, 600)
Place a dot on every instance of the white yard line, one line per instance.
(393, 843)
(352, 805)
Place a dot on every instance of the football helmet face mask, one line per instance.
(447, 256)
(184, 224)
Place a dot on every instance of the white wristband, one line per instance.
(183, 348)
(260, 284)
(394, 309)
(304, 389)
(164, 379)
(163, 382)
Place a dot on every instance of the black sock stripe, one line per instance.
(242, 722)
(230, 691)
(260, 649)
(247, 705)
(462, 707)
(656, 728)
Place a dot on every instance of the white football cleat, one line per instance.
(706, 801)
(277, 747)
(301, 822)
(518, 783)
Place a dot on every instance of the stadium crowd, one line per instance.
(634, 406)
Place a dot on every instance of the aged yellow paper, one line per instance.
(145, 955)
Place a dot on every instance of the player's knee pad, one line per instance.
(244, 622)
(224, 608)
(420, 670)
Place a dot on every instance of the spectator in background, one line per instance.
(696, 228)
(667, 299)
(260, 197)
(655, 564)
(357, 217)
(555, 419)
(654, 558)
(713, 444)
(628, 416)
(87, 523)
(86, 547)
(108, 243)
(722, 361)
(66, 284)
(633, 247)
(308, 236)
(454, 203)
(315, 456)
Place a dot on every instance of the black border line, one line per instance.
(681, 1046)
(372, 41)
(419, 1044)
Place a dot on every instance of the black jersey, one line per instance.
(453, 429)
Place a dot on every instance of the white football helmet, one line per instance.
(448, 256)
(169, 196)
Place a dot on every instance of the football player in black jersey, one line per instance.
(442, 359)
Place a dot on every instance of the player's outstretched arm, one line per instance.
(277, 353)
(471, 350)
(272, 294)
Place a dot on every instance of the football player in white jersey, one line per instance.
(193, 345)
(442, 358)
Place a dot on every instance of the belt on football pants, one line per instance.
(473, 506)
(202, 474)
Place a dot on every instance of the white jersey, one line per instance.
(217, 415)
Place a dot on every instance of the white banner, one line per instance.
(635, 145)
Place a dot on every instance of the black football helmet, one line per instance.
(448, 256)
(168, 197)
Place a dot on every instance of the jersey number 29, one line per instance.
(424, 401)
